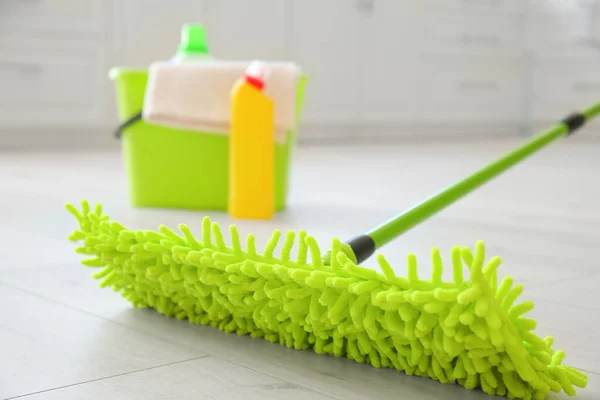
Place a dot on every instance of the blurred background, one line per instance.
(379, 69)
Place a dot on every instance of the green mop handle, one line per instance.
(365, 245)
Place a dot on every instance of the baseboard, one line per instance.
(323, 133)
(40, 138)
(23, 139)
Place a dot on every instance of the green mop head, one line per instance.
(467, 331)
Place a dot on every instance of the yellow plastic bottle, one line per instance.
(252, 148)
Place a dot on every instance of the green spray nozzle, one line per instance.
(193, 39)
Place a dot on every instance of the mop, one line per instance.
(469, 331)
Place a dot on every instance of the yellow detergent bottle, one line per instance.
(252, 148)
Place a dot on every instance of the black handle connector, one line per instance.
(574, 121)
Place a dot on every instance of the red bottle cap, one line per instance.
(255, 74)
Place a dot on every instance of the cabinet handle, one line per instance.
(367, 6)
(586, 86)
(24, 67)
(489, 3)
(487, 40)
(477, 85)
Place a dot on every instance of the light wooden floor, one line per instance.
(61, 337)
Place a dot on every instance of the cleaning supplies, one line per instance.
(193, 46)
(178, 111)
(468, 331)
(251, 147)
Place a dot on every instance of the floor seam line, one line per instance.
(99, 317)
(107, 377)
(589, 372)
(567, 280)
(206, 354)
(558, 303)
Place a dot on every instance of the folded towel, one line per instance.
(196, 95)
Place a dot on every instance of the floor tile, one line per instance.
(44, 345)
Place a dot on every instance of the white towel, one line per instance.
(197, 95)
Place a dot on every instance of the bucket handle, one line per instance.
(129, 121)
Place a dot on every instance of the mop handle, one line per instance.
(365, 245)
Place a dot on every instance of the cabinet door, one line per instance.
(473, 32)
(246, 30)
(150, 30)
(461, 89)
(568, 28)
(73, 17)
(563, 84)
(51, 83)
(327, 42)
(389, 64)
(492, 7)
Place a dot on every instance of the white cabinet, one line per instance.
(488, 6)
(148, 30)
(564, 84)
(327, 40)
(395, 64)
(389, 68)
(51, 82)
(470, 89)
(52, 54)
(473, 32)
(403, 66)
(564, 28)
(246, 30)
(76, 17)
(564, 41)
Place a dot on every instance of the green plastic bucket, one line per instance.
(176, 168)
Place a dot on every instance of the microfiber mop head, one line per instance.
(467, 331)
